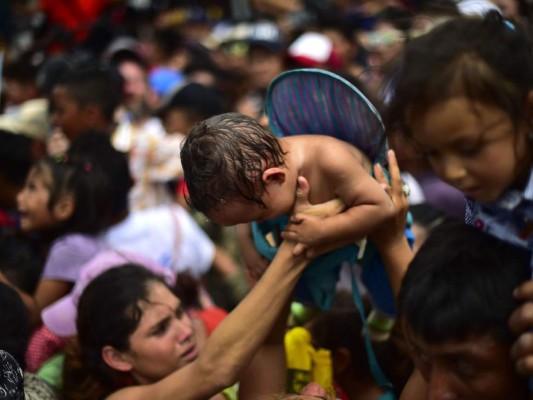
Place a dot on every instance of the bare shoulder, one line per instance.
(332, 152)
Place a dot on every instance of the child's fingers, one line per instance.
(521, 319)
(524, 366)
(522, 353)
(288, 235)
(296, 219)
(524, 291)
(379, 174)
(395, 175)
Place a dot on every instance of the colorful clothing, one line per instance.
(68, 254)
(43, 344)
(510, 218)
(154, 160)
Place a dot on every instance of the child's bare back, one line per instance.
(317, 157)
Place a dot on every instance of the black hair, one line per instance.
(20, 261)
(399, 17)
(487, 60)
(21, 71)
(342, 328)
(224, 157)
(461, 283)
(88, 172)
(126, 55)
(168, 41)
(196, 100)
(427, 215)
(15, 157)
(97, 146)
(95, 85)
(15, 332)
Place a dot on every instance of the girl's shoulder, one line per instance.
(68, 253)
(79, 241)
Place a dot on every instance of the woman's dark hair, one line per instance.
(108, 314)
(224, 157)
(486, 60)
(461, 283)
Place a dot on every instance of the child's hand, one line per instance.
(521, 322)
(393, 229)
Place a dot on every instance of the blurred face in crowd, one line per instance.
(384, 43)
(33, 202)
(265, 65)
(67, 114)
(138, 96)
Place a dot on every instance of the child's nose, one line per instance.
(452, 169)
(20, 196)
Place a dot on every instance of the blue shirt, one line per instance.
(510, 218)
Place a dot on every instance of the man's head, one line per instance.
(229, 159)
(455, 302)
(138, 98)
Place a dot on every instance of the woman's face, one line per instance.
(164, 340)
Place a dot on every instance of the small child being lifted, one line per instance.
(237, 171)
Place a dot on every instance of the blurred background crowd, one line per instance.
(159, 67)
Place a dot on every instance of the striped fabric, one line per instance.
(314, 101)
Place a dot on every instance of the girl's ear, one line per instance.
(64, 208)
(274, 174)
(115, 359)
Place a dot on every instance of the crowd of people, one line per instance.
(266, 199)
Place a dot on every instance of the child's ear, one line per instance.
(274, 174)
(93, 114)
(115, 359)
(64, 208)
(342, 359)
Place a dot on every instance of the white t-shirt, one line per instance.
(167, 235)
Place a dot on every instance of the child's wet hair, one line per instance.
(487, 60)
(224, 157)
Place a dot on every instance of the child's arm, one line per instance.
(47, 292)
(390, 238)
(368, 205)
